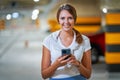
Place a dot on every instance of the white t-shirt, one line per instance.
(53, 43)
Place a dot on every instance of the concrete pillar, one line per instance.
(112, 39)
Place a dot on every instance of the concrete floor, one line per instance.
(20, 58)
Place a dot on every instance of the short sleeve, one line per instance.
(87, 45)
(46, 42)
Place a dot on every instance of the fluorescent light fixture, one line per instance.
(8, 17)
(15, 15)
(36, 0)
(36, 12)
(104, 10)
(34, 17)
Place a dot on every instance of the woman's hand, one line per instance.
(74, 61)
(62, 60)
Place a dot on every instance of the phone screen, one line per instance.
(66, 51)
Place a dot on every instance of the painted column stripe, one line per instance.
(113, 48)
(112, 38)
(113, 67)
(112, 57)
(113, 18)
(113, 10)
(112, 28)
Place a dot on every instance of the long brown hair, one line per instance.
(72, 11)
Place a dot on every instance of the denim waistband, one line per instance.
(78, 77)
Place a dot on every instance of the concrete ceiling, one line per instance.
(110, 4)
(25, 7)
(25, 4)
(88, 7)
(49, 7)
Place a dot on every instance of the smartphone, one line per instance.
(66, 52)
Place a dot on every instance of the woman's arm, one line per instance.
(84, 66)
(48, 69)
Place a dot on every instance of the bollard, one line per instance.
(26, 43)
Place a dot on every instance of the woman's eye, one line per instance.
(70, 18)
(62, 18)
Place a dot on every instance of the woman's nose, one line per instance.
(66, 20)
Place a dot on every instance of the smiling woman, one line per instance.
(61, 67)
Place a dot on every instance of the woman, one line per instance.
(61, 67)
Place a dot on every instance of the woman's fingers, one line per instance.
(62, 60)
(73, 60)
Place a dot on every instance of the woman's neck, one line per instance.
(66, 38)
(66, 34)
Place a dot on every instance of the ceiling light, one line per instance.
(36, 11)
(8, 17)
(36, 0)
(104, 10)
(15, 15)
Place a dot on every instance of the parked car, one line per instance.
(98, 46)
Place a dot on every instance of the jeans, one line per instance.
(78, 77)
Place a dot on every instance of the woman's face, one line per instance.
(66, 20)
